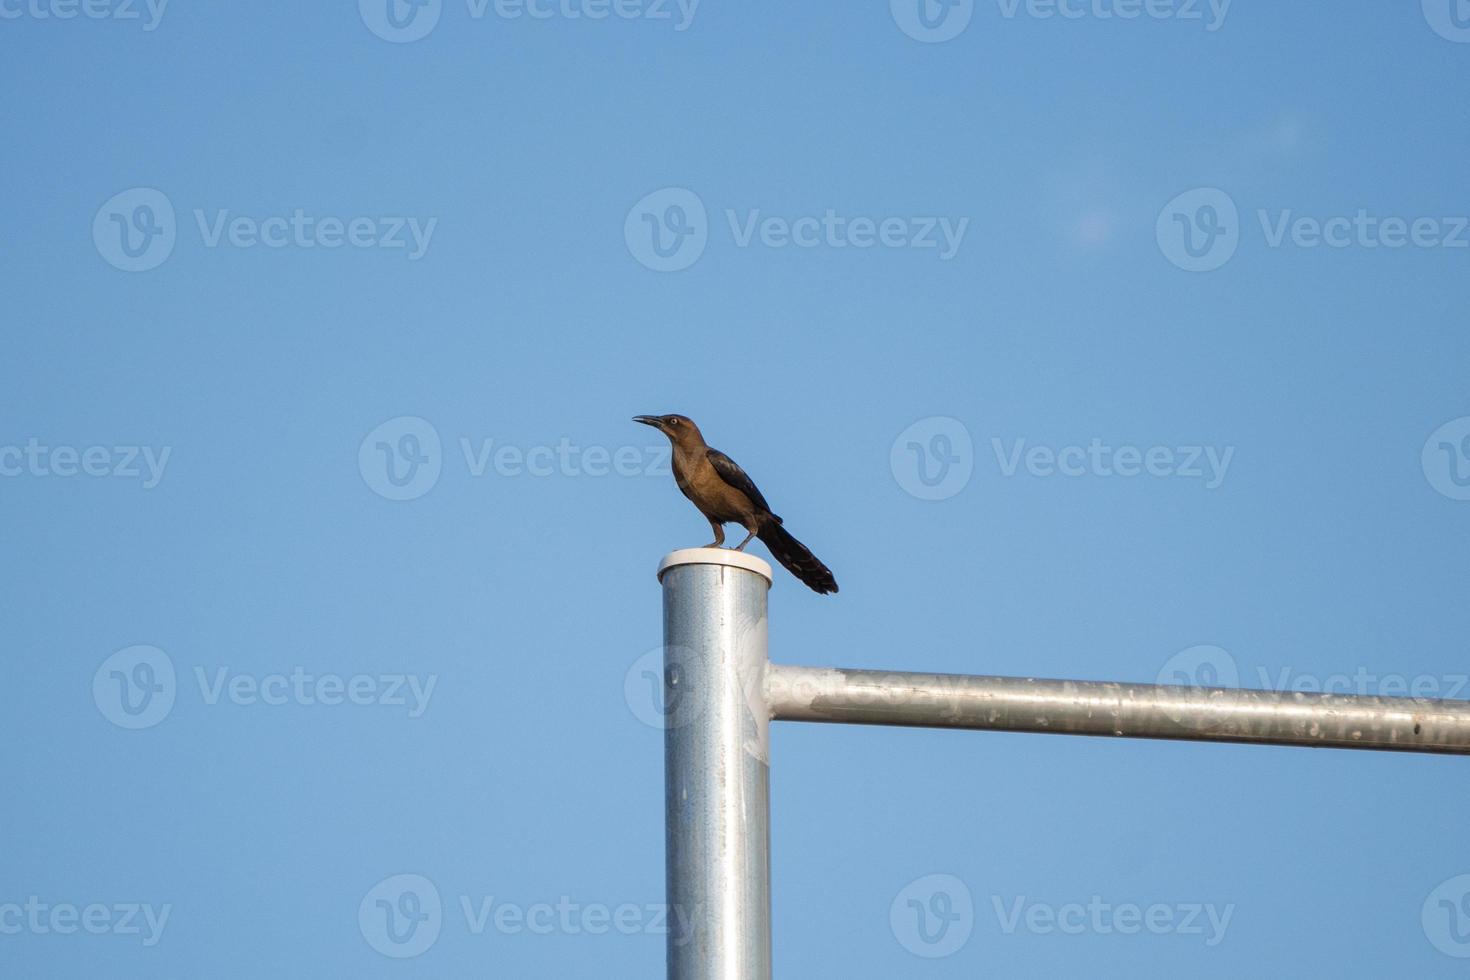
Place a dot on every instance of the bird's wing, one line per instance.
(731, 473)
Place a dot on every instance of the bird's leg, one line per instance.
(719, 540)
(741, 545)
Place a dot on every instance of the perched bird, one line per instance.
(725, 495)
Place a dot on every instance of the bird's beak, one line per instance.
(649, 420)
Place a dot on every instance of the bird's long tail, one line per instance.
(797, 558)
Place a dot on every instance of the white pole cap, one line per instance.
(715, 556)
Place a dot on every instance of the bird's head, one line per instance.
(679, 428)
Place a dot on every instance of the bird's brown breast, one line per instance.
(701, 484)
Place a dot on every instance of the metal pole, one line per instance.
(1014, 704)
(716, 765)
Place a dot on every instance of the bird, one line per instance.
(726, 495)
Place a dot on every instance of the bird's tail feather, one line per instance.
(796, 557)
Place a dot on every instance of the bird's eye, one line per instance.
(673, 421)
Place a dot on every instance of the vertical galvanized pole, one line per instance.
(716, 765)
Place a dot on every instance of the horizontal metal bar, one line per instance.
(1015, 704)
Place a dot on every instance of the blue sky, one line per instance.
(1172, 305)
